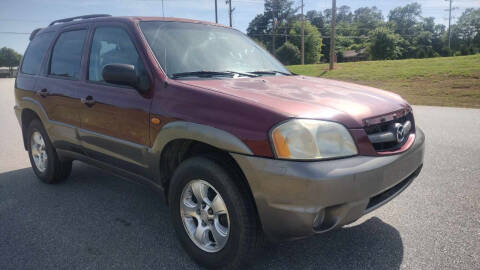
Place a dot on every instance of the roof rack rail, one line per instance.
(84, 17)
(34, 33)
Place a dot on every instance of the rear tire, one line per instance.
(43, 156)
(240, 218)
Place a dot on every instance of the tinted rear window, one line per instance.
(32, 60)
(67, 54)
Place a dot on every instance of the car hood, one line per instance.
(309, 97)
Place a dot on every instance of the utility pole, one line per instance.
(449, 24)
(163, 10)
(230, 10)
(332, 34)
(303, 37)
(273, 34)
(216, 12)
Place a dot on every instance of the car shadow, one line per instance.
(93, 220)
(372, 244)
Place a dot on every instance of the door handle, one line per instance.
(89, 101)
(42, 93)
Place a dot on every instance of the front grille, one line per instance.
(382, 131)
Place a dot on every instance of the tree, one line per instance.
(288, 54)
(260, 43)
(423, 42)
(428, 24)
(9, 58)
(258, 29)
(318, 20)
(367, 19)
(467, 30)
(281, 10)
(275, 19)
(404, 19)
(384, 44)
(327, 14)
(438, 41)
(405, 34)
(344, 14)
(313, 41)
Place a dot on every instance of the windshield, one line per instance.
(189, 48)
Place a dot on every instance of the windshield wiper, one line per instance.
(208, 74)
(269, 72)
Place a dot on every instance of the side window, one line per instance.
(32, 60)
(112, 45)
(67, 54)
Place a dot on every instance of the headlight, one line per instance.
(312, 139)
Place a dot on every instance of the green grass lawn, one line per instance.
(441, 81)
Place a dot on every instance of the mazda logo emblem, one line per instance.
(399, 132)
(402, 131)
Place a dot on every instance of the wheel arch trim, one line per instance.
(197, 132)
(182, 130)
(30, 104)
(35, 106)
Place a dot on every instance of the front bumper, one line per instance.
(296, 199)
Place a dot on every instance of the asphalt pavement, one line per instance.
(96, 220)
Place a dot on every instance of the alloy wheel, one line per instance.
(205, 216)
(39, 151)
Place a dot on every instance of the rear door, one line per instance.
(31, 67)
(57, 87)
(114, 118)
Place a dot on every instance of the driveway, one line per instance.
(96, 220)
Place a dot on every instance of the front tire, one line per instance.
(214, 218)
(43, 157)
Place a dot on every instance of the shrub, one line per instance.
(288, 54)
(384, 44)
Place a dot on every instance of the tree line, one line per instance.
(404, 33)
(9, 58)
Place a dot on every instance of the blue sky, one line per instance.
(25, 15)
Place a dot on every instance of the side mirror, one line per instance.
(122, 74)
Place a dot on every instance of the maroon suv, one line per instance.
(239, 146)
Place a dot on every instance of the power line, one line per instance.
(309, 35)
(281, 35)
(248, 1)
(15, 33)
(22, 20)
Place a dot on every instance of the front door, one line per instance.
(114, 118)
